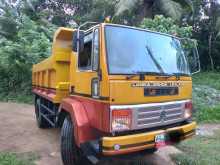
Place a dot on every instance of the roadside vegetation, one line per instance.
(200, 150)
(21, 97)
(203, 149)
(15, 159)
(206, 96)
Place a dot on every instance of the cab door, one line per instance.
(87, 64)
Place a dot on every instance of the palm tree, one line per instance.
(147, 8)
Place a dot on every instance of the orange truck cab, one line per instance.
(115, 90)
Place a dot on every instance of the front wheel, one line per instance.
(152, 150)
(70, 153)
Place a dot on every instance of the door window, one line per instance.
(84, 59)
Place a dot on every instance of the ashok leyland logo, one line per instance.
(162, 116)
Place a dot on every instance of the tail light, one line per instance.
(188, 110)
(121, 119)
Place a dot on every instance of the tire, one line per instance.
(152, 150)
(70, 153)
(41, 122)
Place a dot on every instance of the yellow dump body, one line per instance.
(53, 72)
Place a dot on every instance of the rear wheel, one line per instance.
(41, 122)
(70, 153)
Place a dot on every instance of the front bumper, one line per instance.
(142, 141)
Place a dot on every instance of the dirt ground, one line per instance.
(19, 134)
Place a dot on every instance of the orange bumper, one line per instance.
(138, 142)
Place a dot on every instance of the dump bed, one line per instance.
(52, 74)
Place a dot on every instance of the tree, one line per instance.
(207, 31)
(22, 43)
(213, 13)
(8, 18)
(148, 8)
(166, 25)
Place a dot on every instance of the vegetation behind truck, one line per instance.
(115, 90)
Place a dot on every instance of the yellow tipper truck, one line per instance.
(115, 90)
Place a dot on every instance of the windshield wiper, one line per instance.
(142, 74)
(154, 59)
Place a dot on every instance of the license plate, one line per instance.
(160, 140)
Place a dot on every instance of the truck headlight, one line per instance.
(188, 110)
(121, 119)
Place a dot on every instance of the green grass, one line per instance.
(211, 79)
(208, 114)
(15, 159)
(206, 99)
(199, 151)
(206, 96)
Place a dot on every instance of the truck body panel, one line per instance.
(90, 117)
(120, 90)
(53, 72)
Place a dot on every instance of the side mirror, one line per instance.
(192, 55)
(78, 41)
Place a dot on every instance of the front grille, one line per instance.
(161, 91)
(158, 115)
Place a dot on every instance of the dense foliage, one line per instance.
(17, 56)
(166, 25)
(26, 43)
(27, 26)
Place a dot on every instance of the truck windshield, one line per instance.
(133, 51)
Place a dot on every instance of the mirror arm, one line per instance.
(100, 74)
(78, 31)
(197, 58)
